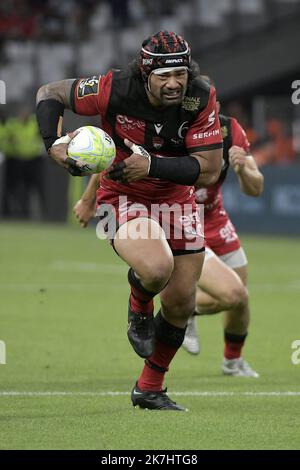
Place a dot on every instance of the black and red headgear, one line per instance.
(164, 49)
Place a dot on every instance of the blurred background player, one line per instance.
(222, 286)
(21, 143)
(158, 102)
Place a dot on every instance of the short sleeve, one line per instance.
(90, 96)
(205, 132)
(238, 136)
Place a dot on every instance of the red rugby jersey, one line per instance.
(120, 99)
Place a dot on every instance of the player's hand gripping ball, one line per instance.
(92, 150)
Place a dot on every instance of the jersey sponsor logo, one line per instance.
(228, 233)
(191, 225)
(88, 86)
(205, 135)
(190, 103)
(147, 61)
(128, 123)
(174, 61)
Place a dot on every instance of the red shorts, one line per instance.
(220, 233)
(181, 222)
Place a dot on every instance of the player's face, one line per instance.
(168, 88)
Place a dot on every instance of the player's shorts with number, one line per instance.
(220, 233)
(181, 221)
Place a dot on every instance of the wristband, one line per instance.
(49, 113)
(181, 170)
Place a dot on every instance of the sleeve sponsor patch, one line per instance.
(88, 86)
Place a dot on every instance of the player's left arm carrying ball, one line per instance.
(51, 100)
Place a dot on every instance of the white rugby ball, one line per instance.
(93, 148)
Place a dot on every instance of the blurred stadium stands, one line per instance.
(247, 46)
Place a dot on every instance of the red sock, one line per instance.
(233, 345)
(141, 300)
(232, 350)
(139, 304)
(156, 366)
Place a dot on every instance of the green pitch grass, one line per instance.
(63, 319)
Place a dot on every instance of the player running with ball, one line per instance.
(161, 104)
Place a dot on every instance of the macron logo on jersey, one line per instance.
(158, 127)
(205, 135)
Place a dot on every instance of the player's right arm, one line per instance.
(82, 96)
(51, 101)
(59, 91)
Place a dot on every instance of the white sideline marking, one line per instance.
(55, 286)
(181, 394)
(71, 266)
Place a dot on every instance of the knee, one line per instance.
(236, 296)
(180, 306)
(156, 274)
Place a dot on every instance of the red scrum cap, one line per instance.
(164, 49)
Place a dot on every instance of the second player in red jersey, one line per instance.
(223, 282)
(220, 233)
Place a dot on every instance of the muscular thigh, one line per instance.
(142, 244)
(217, 279)
(237, 260)
(242, 272)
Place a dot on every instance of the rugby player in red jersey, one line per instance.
(162, 117)
(223, 282)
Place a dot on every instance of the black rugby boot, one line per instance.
(154, 400)
(141, 332)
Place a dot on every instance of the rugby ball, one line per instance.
(92, 148)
